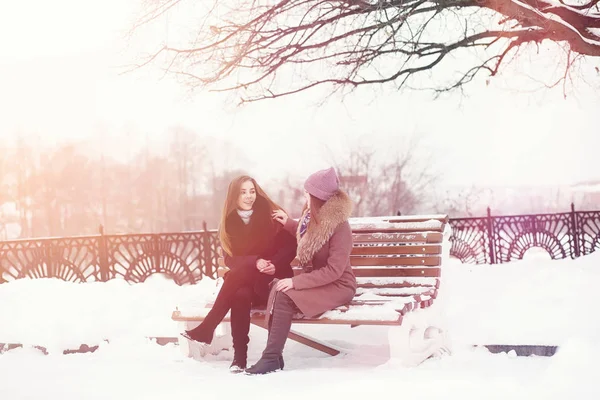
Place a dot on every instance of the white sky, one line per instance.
(58, 80)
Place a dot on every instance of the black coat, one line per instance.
(261, 238)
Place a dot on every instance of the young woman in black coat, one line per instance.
(256, 249)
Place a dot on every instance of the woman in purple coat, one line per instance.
(324, 244)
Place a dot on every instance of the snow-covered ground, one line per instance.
(535, 301)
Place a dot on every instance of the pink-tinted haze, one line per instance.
(59, 77)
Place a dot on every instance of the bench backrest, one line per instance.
(387, 247)
(398, 246)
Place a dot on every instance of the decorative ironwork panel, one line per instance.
(470, 240)
(588, 228)
(136, 257)
(211, 263)
(72, 259)
(514, 235)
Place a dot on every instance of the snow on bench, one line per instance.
(391, 224)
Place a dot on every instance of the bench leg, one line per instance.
(303, 339)
(221, 341)
(312, 342)
(417, 339)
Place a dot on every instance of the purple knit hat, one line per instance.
(322, 184)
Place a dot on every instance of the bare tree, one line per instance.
(252, 46)
(288, 194)
(73, 187)
(464, 202)
(6, 190)
(384, 184)
(188, 154)
(23, 161)
(65, 197)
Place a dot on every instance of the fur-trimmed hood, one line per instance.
(335, 211)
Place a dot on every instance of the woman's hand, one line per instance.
(280, 216)
(269, 269)
(265, 266)
(261, 264)
(284, 285)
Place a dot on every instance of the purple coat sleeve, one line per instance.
(340, 247)
(291, 226)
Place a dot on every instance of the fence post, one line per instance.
(208, 267)
(490, 226)
(103, 255)
(576, 250)
(156, 251)
(49, 258)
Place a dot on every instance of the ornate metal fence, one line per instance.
(187, 257)
(500, 239)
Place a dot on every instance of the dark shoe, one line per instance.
(265, 366)
(191, 335)
(281, 361)
(238, 365)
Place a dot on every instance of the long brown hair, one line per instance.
(233, 193)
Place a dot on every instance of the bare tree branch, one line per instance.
(155, 12)
(250, 46)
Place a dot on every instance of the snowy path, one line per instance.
(528, 302)
(154, 372)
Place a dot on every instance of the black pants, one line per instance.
(242, 288)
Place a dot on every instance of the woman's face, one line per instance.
(247, 196)
(307, 198)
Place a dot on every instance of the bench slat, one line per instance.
(428, 237)
(393, 283)
(383, 322)
(365, 228)
(381, 273)
(409, 262)
(431, 261)
(379, 224)
(357, 252)
(395, 292)
(432, 249)
(402, 218)
(384, 271)
(394, 286)
(396, 272)
(442, 218)
(258, 318)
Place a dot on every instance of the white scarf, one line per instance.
(245, 215)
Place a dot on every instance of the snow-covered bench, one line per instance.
(397, 262)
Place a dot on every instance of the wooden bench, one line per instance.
(397, 262)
